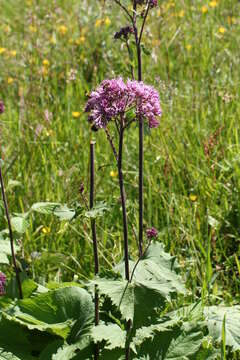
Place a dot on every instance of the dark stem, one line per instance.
(144, 21)
(123, 202)
(140, 191)
(118, 2)
(137, 262)
(130, 57)
(94, 236)
(10, 236)
(110, 140)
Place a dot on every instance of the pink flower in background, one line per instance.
(3, 279)
(2, 107)
(113, 99)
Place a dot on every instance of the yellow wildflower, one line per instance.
(12, 53)
(62, 29)
(181, 13)
(107, 21)
(10, 80)
(188, 47)
(7, 29)
(159, 13)
(46, 62)
(44, 71)
(49, 133)
(2, 50)
(80, 40)
(193, 197)
(113, 173)
(98, 22)
(32, 29)
(204, 9)
(156, 42)
(53, 40)
(231, 20)
(221, 30)
(213, 4)
(76, 114)
(45, 230)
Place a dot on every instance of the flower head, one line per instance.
(151, 233)
(124, 33)
(147, 102)
(113, 99)
(153, 3)
(3, 279)
(2, 107)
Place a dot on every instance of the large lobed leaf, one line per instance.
(54, 312)
(215, 316)
(154, 282)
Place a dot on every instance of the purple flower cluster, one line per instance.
(2, 107)
(151, 233)
(152, 3)
(113, 99)
(124, 33)
(3, 279)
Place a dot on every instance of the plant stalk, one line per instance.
(123, 203)
(11, 236)
(94, 236)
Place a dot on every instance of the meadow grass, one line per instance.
(51, 56)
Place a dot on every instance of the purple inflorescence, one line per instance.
(2, 107)
(151, 233)
(3, 279)
(147, 101)
(152, 3)
(124, 33)
(113, 99)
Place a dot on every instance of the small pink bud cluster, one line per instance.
(151, 233)
(3, 279)
(113, 99)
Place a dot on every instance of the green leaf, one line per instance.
(64, 213)
(114, 336)
(145, 50)
(5, 355)
(98, 210)
(5, 250)
(54, 312)
(28, 286)
(215, 316)
(154, 281)
(185, 346)
(19, 224)
(50, 350)
(59, 210)
(158, 270)
(45, 207)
